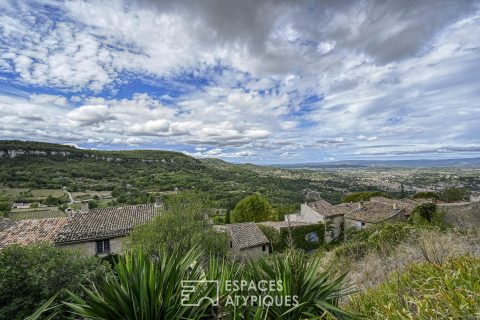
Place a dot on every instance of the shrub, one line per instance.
(181, 225)
(425, 291)
(30, 275)
(384, 236)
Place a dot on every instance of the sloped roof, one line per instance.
(345, 208)
(283, 224)
(408, 204)
(246, 235)
(373, 212)
(106, 223)
(26, 232)
(325, 208)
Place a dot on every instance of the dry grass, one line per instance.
(431, 246)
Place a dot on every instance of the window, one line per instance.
(231, 244)
(263, 248)
(103, 246)
(311, 237)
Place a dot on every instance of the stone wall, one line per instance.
(90, 247)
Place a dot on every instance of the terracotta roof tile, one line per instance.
(26, 232)
(408, 204)
(325, 208)
(246, 235)
(106, 223)
(373, 212)
(283, 224)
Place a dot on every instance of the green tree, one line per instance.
(426, 195)
(93, 204)
(253, 208)
(5, 204)
(453, 194)
(363, 196)
(30, 275)
(182, 224)
(427, 212)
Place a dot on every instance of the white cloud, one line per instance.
(408, 77)
(89, 115)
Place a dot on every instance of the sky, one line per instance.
(246, 81)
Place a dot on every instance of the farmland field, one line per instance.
(38, 213)
(89, 194)
(36, 193)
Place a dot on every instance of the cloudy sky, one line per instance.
(247, 81)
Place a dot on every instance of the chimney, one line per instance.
(84, 207)
(395, 206)
(70, 213)
(360, 204)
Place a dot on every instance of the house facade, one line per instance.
(246, 240)
(103, 231)
(322, 211)
(372, 213)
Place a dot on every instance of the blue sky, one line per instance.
(246, 81)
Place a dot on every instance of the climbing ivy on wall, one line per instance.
(280, 240)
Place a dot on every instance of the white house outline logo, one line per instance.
(190, 286)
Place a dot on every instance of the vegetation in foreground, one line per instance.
(147, 287)
(450, 290)
(30, 275)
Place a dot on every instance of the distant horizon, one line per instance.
(260, 81)
(433, 158)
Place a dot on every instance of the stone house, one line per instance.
(246, 240)
(102, 231)
(408, 204)
(21, 205)
(371, 213)
(322, 211)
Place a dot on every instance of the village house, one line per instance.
(95, 232)
(102, 231)
(21, 205)
(408, 204)
(246, 240)
(322, 211)
(371, 213)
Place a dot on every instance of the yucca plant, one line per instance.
(318, 292)
(46, 311)
(223, 271)
(146, 288)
